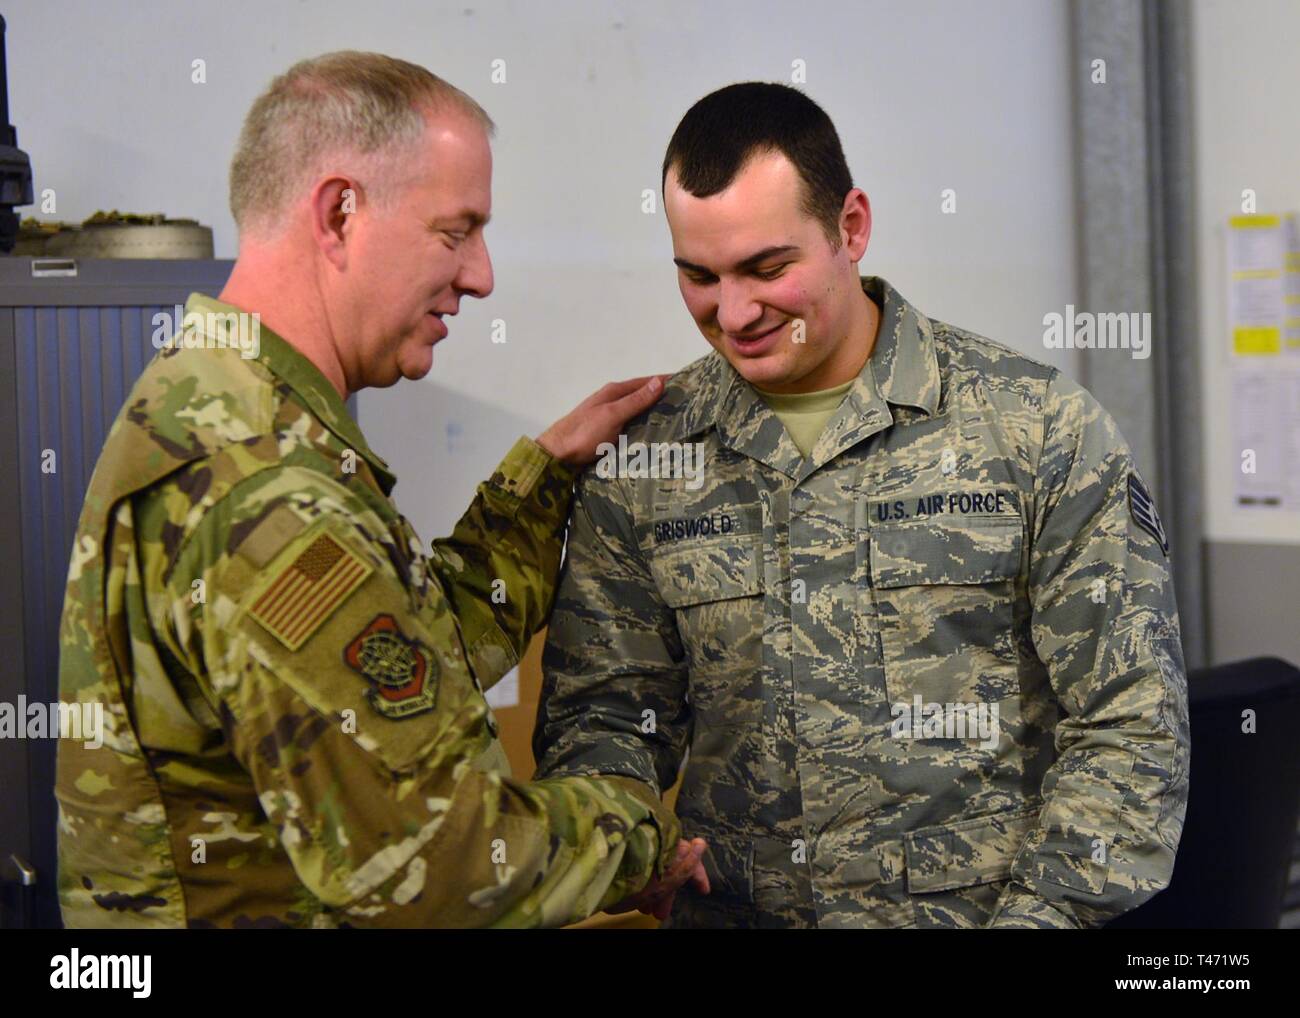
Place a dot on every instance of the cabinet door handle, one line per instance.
(23, 872)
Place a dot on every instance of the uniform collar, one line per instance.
(316, 391)
(903, 361)
(902, 370)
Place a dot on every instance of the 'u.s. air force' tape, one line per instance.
(1143, 511)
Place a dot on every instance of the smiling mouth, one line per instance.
(750, 340)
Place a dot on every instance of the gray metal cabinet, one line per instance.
(74, 336)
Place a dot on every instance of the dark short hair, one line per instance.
(723, 130)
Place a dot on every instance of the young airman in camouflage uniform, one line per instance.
(927, 665)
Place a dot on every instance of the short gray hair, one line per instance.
(368, 105)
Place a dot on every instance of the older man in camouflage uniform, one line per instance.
(924, 653)
(293, 689)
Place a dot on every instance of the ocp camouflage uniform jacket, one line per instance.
(968, 531)
(296, 732)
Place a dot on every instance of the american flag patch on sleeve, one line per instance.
(308, 589)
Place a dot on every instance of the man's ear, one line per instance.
(855, 223)
(334, 202)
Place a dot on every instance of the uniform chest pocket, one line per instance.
(715, 588)
(943, 598)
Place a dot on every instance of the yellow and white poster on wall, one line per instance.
(1264, 358)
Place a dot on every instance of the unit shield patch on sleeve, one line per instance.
(403, 671)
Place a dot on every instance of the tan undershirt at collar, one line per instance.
(805, 414)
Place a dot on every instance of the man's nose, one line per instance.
(475, 276)
(737, 309)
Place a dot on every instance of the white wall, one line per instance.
(1247, 82)
(926, 96)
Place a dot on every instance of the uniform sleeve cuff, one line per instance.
(525, 465)
(663, 820)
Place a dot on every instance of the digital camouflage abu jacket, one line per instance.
(968, 545)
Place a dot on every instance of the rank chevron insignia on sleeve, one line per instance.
(1143, 511)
